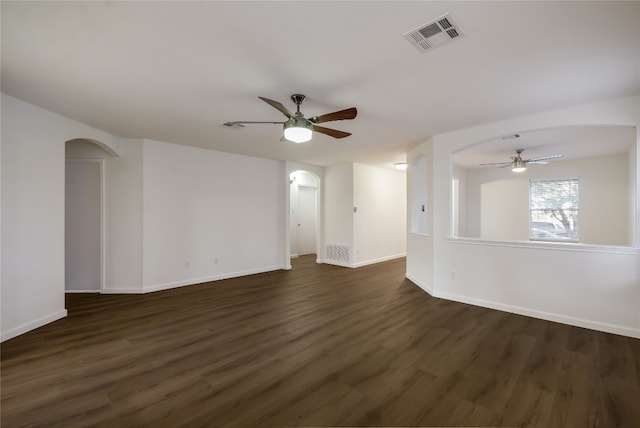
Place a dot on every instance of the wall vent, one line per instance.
(338, 253)
(435, 33)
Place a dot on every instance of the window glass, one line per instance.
(553, 210)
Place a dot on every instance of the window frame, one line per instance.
(574, 237)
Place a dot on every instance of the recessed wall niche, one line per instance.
(418, 214)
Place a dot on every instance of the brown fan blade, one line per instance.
(331, 132)
(278, 106)
(349, 113)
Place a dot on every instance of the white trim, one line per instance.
(32, 325)
(81, 291)
(540, 245)
(379, 260)
(337, 263)
(423, 286)
(579, 322)
(122, 291)
(361, 264)
(194, 281)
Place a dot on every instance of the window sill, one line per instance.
(567, 241)
(548, 245)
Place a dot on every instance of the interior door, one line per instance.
(306, 220)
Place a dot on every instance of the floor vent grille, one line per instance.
(338, 253)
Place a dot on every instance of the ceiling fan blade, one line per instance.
(543, 158)
(278, 106)
(346, 114)
(241, 122)
(331, 132)
(497, 163)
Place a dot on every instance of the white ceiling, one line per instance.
(176, 71)
(570, 142)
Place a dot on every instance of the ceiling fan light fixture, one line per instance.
(402, 166)
(519, 166)
(297, 130)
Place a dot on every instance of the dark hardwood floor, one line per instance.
(315, 346)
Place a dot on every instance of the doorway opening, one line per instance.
(84, 217)
(304, 206)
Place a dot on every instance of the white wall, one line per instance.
(209, 215)
(225, 206)
(338, 207)
(418, 207)
(634, 201)
(376, 231)
(498, 199)
(504, 209)
(461, 176)
(33, 189)
(123, 212)
(380, 223)
(420, 246)
(591, 286)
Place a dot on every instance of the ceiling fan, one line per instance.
(298, 128)
(520, 165)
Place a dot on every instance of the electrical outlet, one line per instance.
(215, 261)
(452, 274)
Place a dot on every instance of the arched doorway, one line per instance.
(84, 216)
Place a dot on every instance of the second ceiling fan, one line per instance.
(298, 128)
(520, 165)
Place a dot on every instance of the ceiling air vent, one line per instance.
(435, 33)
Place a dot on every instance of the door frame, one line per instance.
(315, 231)
(317, 173)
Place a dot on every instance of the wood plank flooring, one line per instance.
(315, 346)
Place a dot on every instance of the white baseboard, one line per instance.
(337, 263)
(563, 319)
(425, 287)
(122, 291)
(379, 260)
(17, 331)
(80, 291)
(361, 264)
(193, 281)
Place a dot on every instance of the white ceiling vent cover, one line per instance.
(435, 33)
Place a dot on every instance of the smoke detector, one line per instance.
(435, 33)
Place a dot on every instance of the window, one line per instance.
(553, 210)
